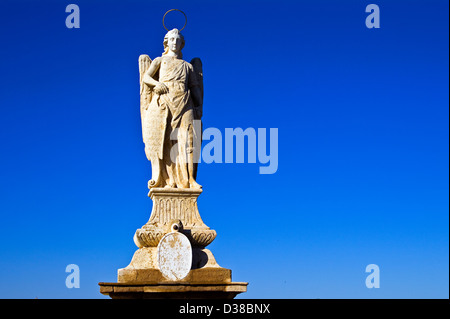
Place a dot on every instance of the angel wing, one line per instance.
(198, 70)
(145, 90)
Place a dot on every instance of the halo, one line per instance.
(175, 10)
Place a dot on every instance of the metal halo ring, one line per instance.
(185, 18)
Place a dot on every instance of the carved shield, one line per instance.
(154, 127)
(153, 116)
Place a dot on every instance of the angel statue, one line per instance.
(171, 111)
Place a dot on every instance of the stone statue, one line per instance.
(172, 243)
(171, 111)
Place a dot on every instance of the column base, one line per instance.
(172, 290)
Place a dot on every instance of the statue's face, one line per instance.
(174, 42)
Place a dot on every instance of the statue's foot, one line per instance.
(181, 185)
(194, 184)
(171, 185)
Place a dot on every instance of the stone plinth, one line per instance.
(172, 290)
(173, 209)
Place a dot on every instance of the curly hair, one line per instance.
(166, 39)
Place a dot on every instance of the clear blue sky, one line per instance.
(362, 116)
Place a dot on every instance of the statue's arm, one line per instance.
(159, 87)
(148, 76)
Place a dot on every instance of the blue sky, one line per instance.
(362, 118)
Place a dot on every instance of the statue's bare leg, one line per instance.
(170, 172)
(192, 159)
(170, 165)
(197, 145)
(182, 171)
(191, 168)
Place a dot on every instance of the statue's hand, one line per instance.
(161, 88)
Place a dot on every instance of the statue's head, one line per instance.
(173, 41)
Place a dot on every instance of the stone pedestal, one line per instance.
(170, 205)
(172, 290)
(173, 209)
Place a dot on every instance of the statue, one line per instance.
(171, 111)
(172, 243)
